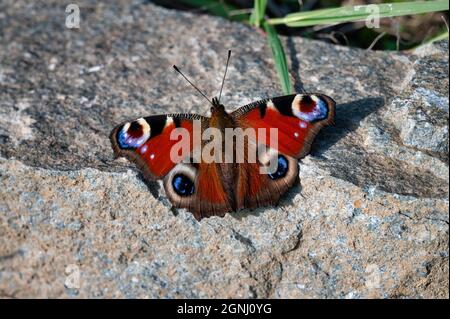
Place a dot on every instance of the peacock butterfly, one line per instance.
(214, 187)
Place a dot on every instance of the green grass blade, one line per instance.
(279, 57)
(259, 10)
(359, 13)
(441, 36)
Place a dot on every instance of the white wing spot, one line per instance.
(270, 105)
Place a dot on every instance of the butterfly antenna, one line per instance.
(199, 91)
(225, 74)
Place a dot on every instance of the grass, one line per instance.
(257, 17)
(279, 57)
(259, 10)
(336, 15)
(216, 7)
(359, 13)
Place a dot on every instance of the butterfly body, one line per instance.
(208, 188)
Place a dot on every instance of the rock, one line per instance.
(368, 220)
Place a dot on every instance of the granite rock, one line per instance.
(369, 218)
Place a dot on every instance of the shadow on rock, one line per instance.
(348, 119)
(152, 186)
(295, 65)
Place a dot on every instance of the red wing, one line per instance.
(146, 141)
(297, 117)
(198, 188)
(255, 189)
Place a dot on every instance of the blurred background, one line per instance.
(395, 33)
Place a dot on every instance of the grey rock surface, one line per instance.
(369, 218)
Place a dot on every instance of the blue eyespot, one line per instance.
(182, 185)
(133, 134)
(123, 140)
(282, 169)
(316, 113)
(322, 110)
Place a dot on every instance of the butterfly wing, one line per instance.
(208, 189)
(254, 189)
(205, 195)
(297, 118)
(147, 143)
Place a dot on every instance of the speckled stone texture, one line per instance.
(369, 218)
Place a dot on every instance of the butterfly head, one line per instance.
(216, 106)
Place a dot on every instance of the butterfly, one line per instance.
(213, 188)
